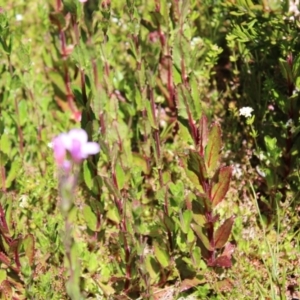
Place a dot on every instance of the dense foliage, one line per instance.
(194, 193)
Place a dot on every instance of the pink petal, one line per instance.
(59, 150)
(90, 149)
(79, 135)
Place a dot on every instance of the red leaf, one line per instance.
(189, 283)
(6, 289)
(223, 232)
(220, 188)
(228, 250)
(29, 247)
(222, 261)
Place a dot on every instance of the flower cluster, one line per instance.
(246, 111)
(75, 143)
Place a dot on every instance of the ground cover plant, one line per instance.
(149, 149)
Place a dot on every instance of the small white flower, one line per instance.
(19, 17)
(289, 123)
(195, 42)
(23, 201)
(261, 156)
(293, 7)
(246, 111)
(237, 171)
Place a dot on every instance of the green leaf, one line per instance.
(186, 105)
(5, 144)
(213, 148)
(161, 255)
(196, 164)
(286, 70)
(204, 239)
(107, 289)
(199, 219)
(140, 161)
(113, 215)
(15, 83)
(150, 115)
(195, 97)
(13, 172)
(121, 177)
(196, 255)
(90, 218)
(29, 247)
(152, 267)
(190, 236)
(138, 100)
(223, 232)
(185, 9)
(110, 186)
(184, 134)
(3, 275)
(177, 189)
(296, 66)
(185, 220)
(203, 134)
(23, 113)
(221, 187)
(87, 175)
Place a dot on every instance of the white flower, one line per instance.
(246, 111)
(23, 201)
(237, 171)
(293, 7)
(19, 17)
(289, 123)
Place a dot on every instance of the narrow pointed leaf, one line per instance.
(6, 290)
(191, 175)
(205, 201)
(152, 267)
(220, 188)
(197, 165)
(223, 232)
(87, 175)
(121, 177)
(203, 134)
(198, 230)
(151, 117)
(213, 148)
(28, 243)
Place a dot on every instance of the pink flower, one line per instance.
(82, 1)
(75, 142)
